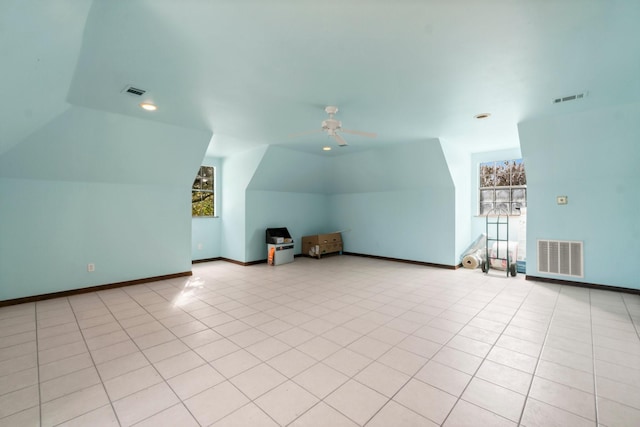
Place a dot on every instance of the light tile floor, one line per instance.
(342, 341)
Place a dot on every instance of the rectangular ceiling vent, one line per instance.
(134, 91)
(570, 98)
(564, 258)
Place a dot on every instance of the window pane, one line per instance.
(503, 179)
(207, 184)
(197, 183)
(196, 198)
(487, 174)
(204, 179)
(503, 208)
(201, 204)
(519, 195)
(515, 208)
(503, 195)
(502, 174)
(518, 176)
(487, 181)
(486, 196)
(487, 168)
(485, 208)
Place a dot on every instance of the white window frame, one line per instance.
(512, 203)
(200, 176)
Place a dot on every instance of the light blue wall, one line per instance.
(51, 230)
(95, 187)
(207, 232)
(413, 225)
(302, 213)
(82, 144)
(282, 169)
(41, 42)
(593, 158)
(288, 189)
(237, 172)
(395, 202)
(458, 161)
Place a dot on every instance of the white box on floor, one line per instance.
(282, 253)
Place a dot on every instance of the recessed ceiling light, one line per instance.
(482, 116)
(148, 106)
(327, 148)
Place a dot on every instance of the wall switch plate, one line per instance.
(91, 268)
(562, 200)
(199, 246)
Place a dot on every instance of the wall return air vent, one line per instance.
(564, 258)
(570, 98)
(134, 91)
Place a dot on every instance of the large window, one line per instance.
(503, 186)
(202, 193)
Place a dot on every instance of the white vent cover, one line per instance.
(570, 98)
(564, 258)
(134, 91)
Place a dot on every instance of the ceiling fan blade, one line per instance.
(295, 135)
(357, 132)
(341, 141)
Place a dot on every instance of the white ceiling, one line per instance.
(255, 71)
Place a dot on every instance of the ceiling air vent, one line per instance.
(134, 91)
(570, 98)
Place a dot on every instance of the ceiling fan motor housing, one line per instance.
(331, 125)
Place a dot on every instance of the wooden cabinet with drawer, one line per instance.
(321, 244)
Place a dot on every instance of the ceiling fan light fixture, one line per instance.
(482, 116)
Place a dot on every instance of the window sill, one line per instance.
(495, 216)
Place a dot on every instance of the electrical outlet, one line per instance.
(562, 200)
(91, 267)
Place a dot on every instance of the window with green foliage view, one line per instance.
(202, 193)
(503, 187)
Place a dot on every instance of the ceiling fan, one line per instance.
(333, 128)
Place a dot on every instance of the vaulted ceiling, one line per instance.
(253, 72)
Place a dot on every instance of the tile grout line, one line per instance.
(431, 358)
(181, 402)
(145, 356)
(95, 366)
(459, 398)
(593, 361)
(129, 296)
(633, 323)
(209, 363)
(555, 313)
(35, 315)
(250, 400)
(544, 342)
(411, 334)
(351, 378)
(60, 346)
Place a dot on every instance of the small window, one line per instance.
(202, 193)
(503, 185)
